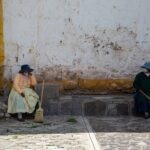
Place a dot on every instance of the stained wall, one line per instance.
(82, 44)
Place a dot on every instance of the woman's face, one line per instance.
(26, 74)
(148, 71)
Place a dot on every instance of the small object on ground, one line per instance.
(72, 120)
(33, 126)
(39, 117)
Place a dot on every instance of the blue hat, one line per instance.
(146, 65)
(25, 68)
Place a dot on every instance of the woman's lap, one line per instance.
(141, 105)
(16, 103)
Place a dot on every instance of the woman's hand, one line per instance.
(22, 94)
(32, 87)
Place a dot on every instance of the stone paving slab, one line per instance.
(122, 133)
(55, 134)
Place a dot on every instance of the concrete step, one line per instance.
(98, 105)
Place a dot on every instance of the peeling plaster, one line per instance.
(77, 39)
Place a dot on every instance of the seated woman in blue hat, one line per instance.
(142, 96)
(22, 98)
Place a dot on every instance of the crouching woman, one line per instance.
(142, 96)
(22, 98)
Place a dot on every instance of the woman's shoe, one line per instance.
(146, 115)
(20, 119)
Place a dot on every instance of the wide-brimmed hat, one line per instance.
(25, 68)
(146, 65)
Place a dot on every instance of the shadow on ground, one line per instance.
(52, 124)
(120, 124)
(60, 124)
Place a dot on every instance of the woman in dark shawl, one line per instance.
(142, 96)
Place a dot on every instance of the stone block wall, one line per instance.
(112, 105)
(90, 105)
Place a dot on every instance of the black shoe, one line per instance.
(21, 120)
(146, 116)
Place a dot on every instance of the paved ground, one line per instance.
(54, 134)
(122, 133)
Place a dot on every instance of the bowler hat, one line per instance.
(146, 65)
(25, 68)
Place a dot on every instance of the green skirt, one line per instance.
(18, 104)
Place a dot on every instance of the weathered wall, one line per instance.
(1, 46)
(91, 44)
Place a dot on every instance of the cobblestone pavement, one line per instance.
(122, 133)
(55, 134)
(119, 133)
